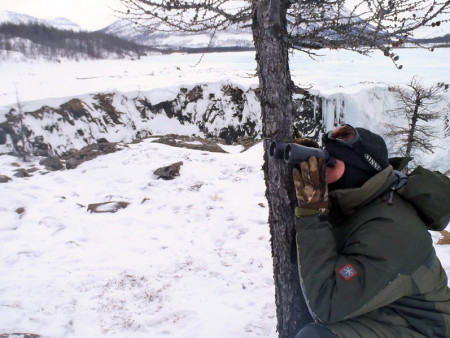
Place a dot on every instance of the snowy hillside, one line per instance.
(26, 38)
(17, 18)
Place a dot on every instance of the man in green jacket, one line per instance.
(366, 261)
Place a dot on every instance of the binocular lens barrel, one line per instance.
(276, 150)
(295, 153)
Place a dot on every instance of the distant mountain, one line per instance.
(34, 40)
(235, 37)
(440, 41)
(58, 23)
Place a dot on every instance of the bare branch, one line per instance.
(340, 24)
(187, 16)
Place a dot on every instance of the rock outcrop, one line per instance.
(218, 111)
(169, 172)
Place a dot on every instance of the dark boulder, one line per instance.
(4, 179)
(19, 335)
(21, 173)
(169, 172)
(52, 163)
(111, 207)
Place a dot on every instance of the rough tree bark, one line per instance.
(269, 33)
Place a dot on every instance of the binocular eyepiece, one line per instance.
(296, 153)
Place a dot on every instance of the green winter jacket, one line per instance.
(370, 269)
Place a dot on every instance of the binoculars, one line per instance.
(296, 153)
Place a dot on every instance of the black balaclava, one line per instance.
(358, 165)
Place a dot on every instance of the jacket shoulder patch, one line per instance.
(348, 272)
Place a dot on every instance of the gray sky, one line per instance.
(97, 14)
(89, 14)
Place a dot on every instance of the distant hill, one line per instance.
(17, 18)
(35, 40)
(62, 38)
(440, 41)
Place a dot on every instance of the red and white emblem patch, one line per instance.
(348, 272)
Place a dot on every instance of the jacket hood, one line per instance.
(427, 191)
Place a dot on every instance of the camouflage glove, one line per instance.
(311, 187)
(303, 141)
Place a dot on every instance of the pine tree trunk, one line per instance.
(269, 33)
(412, 127)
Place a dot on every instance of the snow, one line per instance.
(188, 257)
(343, 71)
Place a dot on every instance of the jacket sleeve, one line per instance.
(345, 283)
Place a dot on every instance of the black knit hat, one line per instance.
(363, 158)
(376, 147)
(366, 150)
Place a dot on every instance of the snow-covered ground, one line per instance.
(188, 257)
(334, 72)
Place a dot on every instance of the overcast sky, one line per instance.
(89, 14)
(97, 14)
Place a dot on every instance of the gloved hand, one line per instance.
(311, 187)
(303, 141)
